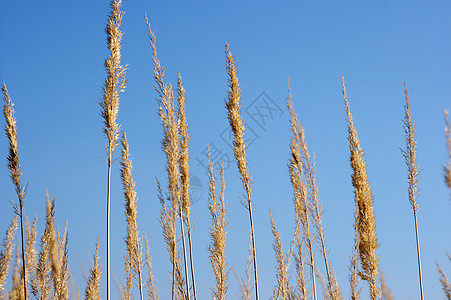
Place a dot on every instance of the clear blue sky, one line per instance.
(51, 57)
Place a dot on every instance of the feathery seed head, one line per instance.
(93, 284)
(365, 220)
(410, 154)
(115, 82)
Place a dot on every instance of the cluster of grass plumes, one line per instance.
(43, 272)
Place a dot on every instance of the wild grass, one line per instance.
(15, 172)
(364, 213)
(133, 259)
(218, 233)
(42, 271)
(114, 84)
(233, 105)
(410, 156)
(301, 205)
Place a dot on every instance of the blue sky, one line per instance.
(51, 58)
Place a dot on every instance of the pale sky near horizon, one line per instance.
(51, 58)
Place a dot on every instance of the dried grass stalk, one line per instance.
(6, 254)
(233, 105)
(61, 259)
(365, 220)
(282, 287)
(446, 285)
(171, 147)
(218, 233)
(167, 221)
(93, 284)
(410, 156)
(246, 286)
(134, 257)
(152, 292)
(301, 205)
(30, 251)
(184, 171)
(114, 84)
(301, 290)
(41, 283)
(14, 169)
(316, 209)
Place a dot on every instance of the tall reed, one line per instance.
(114, 84)
(233, 105)
(410, 157)
(301, 205)
(316, 211)
(364, 214)
(167, 220)
(184, 171)
(218, 233)
(171, 147)
(14, 169)
(6, 254)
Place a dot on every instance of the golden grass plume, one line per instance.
(92, 291)
(233, 105)
(365, 220)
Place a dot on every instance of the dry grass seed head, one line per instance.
(93, 284)
(446, 285)
(151, 287)
(115, 82)
(282, 287)
(410, 154)
(218, 233)
(365, 220)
